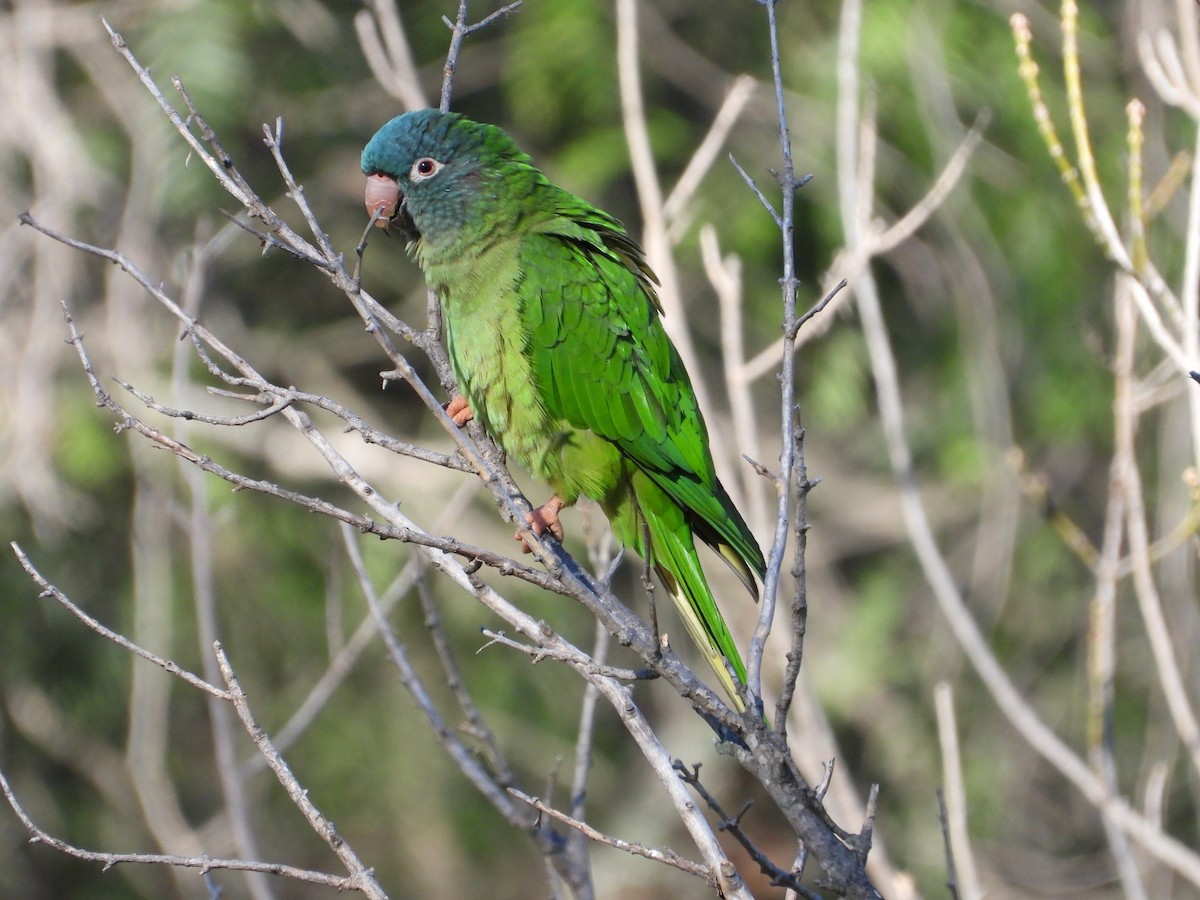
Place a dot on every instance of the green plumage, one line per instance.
(553, 332)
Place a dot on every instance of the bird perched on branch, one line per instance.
(553, 331)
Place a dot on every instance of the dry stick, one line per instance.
(733, 826)
(799, 604)
(204, 592)
(468, 763)
(459, 29)
(948, 849)
(344, 661)
(1101, 656)
(360, 876)
(1157, 629)
(286, 397)
(958, 841)
(667, 856)
(788, 185)
(275, 406)
(540, 653)
(49, 590)
(476, 725)
(204, 863)
(386, 49)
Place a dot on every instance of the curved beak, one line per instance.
(383, 199)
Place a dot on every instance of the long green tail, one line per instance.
(673, 554)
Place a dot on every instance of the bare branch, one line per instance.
(385, 46)
(49, 590)
(733, 826)
(360, 876)
(787, 378)
(540, 653)
(706, 154)
(204, 863)
(961, 861)
(459, 30)
(668, 856)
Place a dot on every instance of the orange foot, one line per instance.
(459, 411)
(542, 519)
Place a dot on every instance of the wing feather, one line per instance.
(604, 363)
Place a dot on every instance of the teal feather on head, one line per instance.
(554, 333)
(470, 156)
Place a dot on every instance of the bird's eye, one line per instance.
(425, 167)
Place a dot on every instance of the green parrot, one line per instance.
(553, 330)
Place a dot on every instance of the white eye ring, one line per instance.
(424, 168)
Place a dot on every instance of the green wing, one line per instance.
(603, 362)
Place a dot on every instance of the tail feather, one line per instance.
(672, 552)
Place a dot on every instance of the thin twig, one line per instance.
(1102, 632)
(799, 604)
(488, 785)
(363, 877)
(706, 153)
(459, 30)
(49, 590)
(540, 653)
(732, 825)
(948, 848)
(203, 863)
(668, 856)
(1158, 631)
(476, 725)
(386, 49)
(788, 185)
(960, 859)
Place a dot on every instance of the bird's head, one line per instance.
(431, 173)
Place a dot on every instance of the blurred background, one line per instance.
(1000, 314)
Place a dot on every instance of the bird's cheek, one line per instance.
(383, 198)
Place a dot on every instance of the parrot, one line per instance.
(554, 332)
